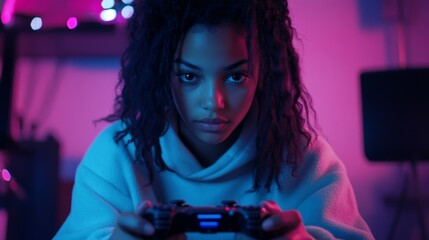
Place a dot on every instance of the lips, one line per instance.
(212, 124)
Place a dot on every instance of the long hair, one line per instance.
(145, 102)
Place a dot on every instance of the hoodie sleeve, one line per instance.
(328, 204)
(100, 191)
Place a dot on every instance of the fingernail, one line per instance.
(148, 229)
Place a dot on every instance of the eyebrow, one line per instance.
(195, 67)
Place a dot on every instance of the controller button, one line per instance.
(209, 224)
(209, 216)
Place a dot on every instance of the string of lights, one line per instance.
(112, 11)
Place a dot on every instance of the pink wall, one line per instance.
(337, 43)
(65, 96)
(55, 13)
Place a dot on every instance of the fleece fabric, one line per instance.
(108, 182)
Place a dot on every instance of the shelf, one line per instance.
(90, 40)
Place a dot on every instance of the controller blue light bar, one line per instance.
(209, 216)
(209, 224)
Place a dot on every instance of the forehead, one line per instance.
(213, 45)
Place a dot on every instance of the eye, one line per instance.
(187, 77)
(237, 78)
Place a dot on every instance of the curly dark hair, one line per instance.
(145, 101)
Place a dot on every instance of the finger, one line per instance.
(142, 207)
(135, 225)
(271, 207)
(286, 221)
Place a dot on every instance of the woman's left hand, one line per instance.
(284, 224)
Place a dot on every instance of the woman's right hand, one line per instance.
(133, 226)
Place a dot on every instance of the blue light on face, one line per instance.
(209, 225)
(209, 216)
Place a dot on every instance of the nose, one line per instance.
(213, 96)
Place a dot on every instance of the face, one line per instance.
(212, 85)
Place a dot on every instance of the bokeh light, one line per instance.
(106, 4)
(6, 18)
(36, 23)
(7, 10)
(5, 174)
(127, 12)
(108, 15)
(72, 23)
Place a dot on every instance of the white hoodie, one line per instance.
(109, 182)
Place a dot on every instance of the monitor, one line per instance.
(395, 110)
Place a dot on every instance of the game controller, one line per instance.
(177, 217)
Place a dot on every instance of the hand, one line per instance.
(132, 226)
(284, 224)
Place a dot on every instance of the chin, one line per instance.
(213, 139)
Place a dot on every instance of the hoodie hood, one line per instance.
(237, 159)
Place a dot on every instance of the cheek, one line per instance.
(241, 100)
(181, 101)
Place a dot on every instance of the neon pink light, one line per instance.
(8, 11)
(72, 23)
(6, 175)
(6, 18)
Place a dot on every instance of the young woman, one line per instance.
(212, 108)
